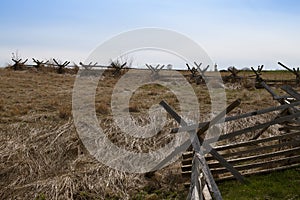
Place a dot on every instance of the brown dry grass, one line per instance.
(42, 156)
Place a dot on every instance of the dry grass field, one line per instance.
(42, 157)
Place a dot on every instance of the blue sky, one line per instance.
(243, 33)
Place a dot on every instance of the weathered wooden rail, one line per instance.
(233, 159)
(235, 78)
(196, 140)
(296, 72)
(248, 148)
(18, 64)
(61, 66)
(155, 70)
(39, 64)
(197, 73)
(253, 157)
(117, 68)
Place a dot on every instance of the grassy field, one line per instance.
(278, 185)
(42, 156)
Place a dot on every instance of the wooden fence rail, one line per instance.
(241, 158)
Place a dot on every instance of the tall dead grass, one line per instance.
(41, 155)
(51, 161)
(47, 160)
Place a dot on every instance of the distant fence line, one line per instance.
(198, 74)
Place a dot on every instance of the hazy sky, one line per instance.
(243, 33)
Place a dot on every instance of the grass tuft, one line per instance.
(64, 112)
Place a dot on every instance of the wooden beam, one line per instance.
(252, 166)
(292, 144)
(253, 128)
(290, 159)
(259, 141)
(195, 186)
(196, 145)
(288, 89)
(234, 161)
(257, 172)
(219, 118)
(209, 178)
(282, 65)
(232, 118)
(212, 151)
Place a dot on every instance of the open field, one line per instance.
(42, 156)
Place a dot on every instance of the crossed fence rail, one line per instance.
(197, 73)
(238, 159)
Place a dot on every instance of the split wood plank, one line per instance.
(196, 145)
(232, 118)
(212, 151)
